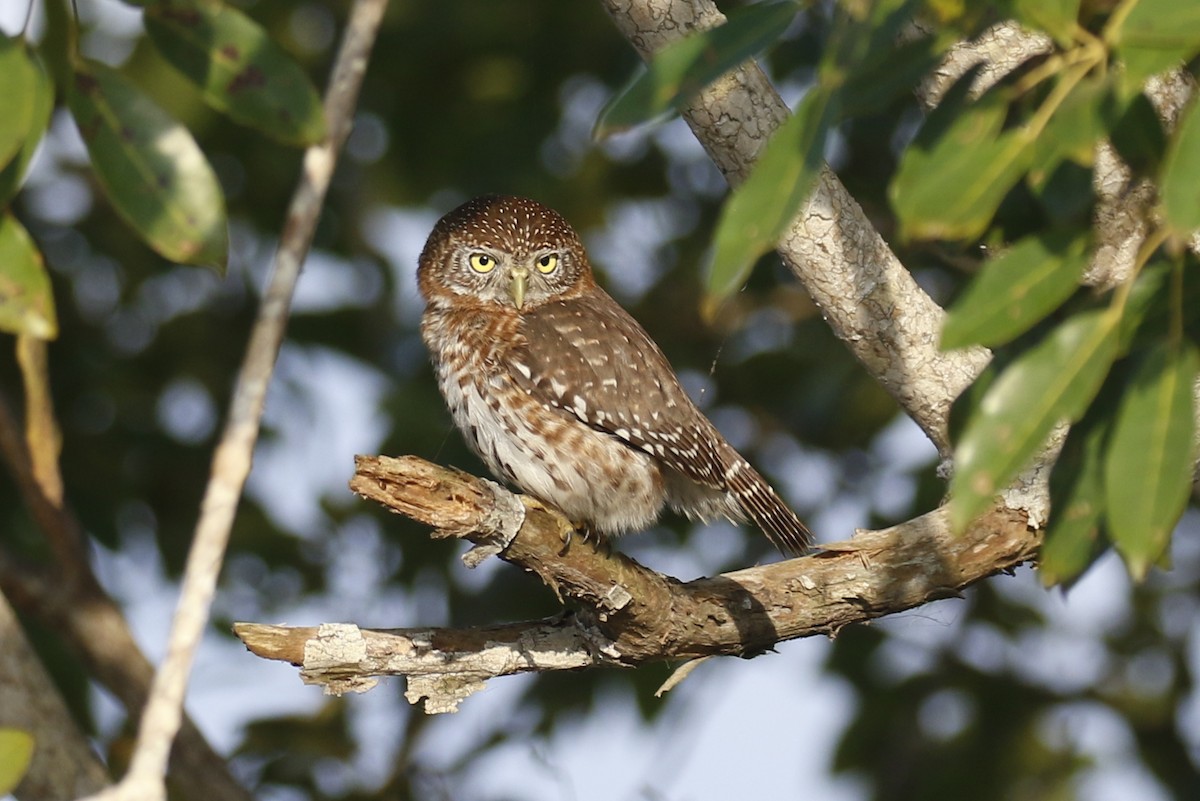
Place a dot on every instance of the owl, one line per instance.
(559, 390)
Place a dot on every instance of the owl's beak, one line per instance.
(516, 285)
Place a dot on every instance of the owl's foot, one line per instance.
(587, 534)
(598, 540)
(567, 528)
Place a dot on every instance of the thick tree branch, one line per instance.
(867, 296)
(626, 614)
(64, 765)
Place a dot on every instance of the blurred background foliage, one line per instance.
(1011, 693)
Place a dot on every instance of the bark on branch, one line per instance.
(621, 613)
(871, 302)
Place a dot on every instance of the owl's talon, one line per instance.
(566, 535)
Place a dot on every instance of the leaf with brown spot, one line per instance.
(239, 70)
(26, 302)
(150, 168)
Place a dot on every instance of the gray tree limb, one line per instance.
(867, 296)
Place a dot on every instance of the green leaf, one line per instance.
(20, 88)
(1166, 24)
(33, 97)
(238, 68)
(1140, 63)
(150, 167)
(16, 752)
(1180, 179)
(1055, 17)
(758, 211)
(1053, 381)
(1017, 289)
(1146, 313)
(685, 67)
(26, 301)
(954, 175)
(1156, 35)
(1074, 536)
(1148, 467)
(1085, 116)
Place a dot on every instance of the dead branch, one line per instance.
(622, 613)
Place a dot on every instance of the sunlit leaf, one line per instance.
(1161, 24)
(1140, 63)
(16, 752)
(685, 67)
(1053, 381)
(26, 301)
(1085, 116)
(1055, 17)
(1148, 467)
(1156, 35)
(33, 92)
(150, 167)
(954, 175)
(759, 210)
(1017, 289)
(1074, 535)
(238, 68)
(22, 82)
(1180, 179)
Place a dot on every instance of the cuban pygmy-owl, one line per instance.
(561, 392)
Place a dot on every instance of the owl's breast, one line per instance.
(591, 476)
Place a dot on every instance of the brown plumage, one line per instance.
(561, 392)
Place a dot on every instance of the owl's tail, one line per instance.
(760, 503)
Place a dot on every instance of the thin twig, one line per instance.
(231, 462)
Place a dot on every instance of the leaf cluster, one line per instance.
(146, 162)
(1120, 361)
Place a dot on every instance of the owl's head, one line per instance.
(504, 250)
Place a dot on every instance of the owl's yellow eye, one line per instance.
(548, 263)
(482, 262)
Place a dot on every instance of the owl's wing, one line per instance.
(588, 358)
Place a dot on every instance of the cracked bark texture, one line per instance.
(867, 296)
